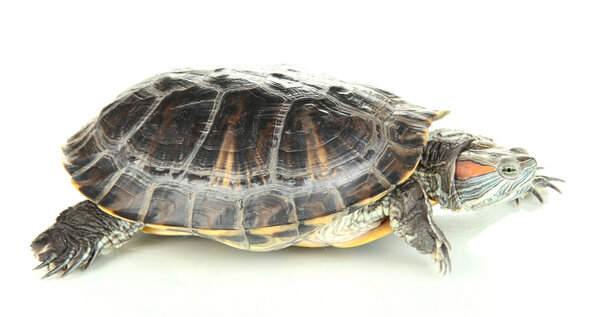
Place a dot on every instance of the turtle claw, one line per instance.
(45, 258)
(441, 254)
(551, 179)
(441, 257)
(58, 267)
(91, 260)
(77, 260)
(537, 195)
(79, 235)
(42, 265)
(550, 185)
(59, 250)
(541, 182)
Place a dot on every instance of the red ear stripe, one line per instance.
(466, 169)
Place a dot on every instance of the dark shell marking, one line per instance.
(252, 159)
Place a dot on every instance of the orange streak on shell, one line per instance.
(226, 158)
(317, 156)
(164, 232)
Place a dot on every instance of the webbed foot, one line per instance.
(411, 219)
(80, 233)
(61, 249)
(440, 254)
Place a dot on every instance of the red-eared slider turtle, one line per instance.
(266, 160)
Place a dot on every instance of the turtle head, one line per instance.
(487, 174)
(463, 171)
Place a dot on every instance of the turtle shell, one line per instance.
(254, 159)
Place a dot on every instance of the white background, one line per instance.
(525, 73)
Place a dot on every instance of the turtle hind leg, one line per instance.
(411, 219)
(80, 233)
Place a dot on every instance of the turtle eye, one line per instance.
(509, 171)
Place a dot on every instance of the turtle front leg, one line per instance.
(541, 182)
(411, 219)
(80, 233)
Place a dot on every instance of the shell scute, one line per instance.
(317, 204)
(120, 117)
(93, 181)
(169, 134)
(240, 141)
(169, 206)
(362, 188)
(127, 195)
(172, 83)
(266, 210)
(211, 211)
(397, 163)
(316, 138)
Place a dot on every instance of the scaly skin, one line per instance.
(80, 233)
(411, 219)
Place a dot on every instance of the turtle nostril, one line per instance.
(523, 159)
(526, 160)
(519, 150)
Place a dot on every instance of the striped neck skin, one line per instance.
(462, 171)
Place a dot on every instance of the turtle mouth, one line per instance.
(528, 171)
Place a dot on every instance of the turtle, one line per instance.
(266, 159)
